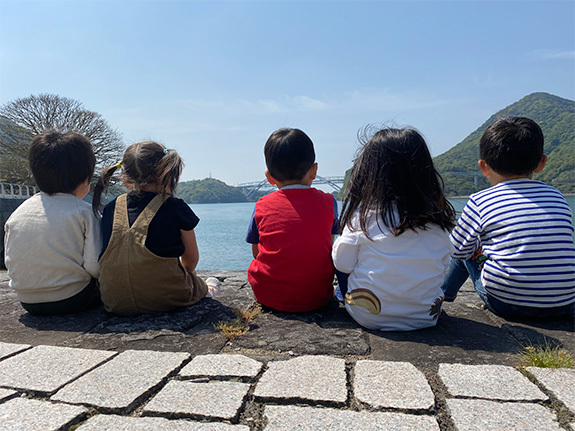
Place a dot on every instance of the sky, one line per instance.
(213, 79)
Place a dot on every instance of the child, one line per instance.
(291, 229)
(53, 238)
(523, 228)
(149, 252)
(395, 227)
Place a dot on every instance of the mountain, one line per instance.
(209, 191)
(555, 115)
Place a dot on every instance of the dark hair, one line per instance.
(394, 175)
(60, 162)
(289, 154)
(144, 163)
(512, 146)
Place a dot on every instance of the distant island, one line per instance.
(211, 191)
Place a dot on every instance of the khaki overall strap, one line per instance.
(143, 221)
(121, 213)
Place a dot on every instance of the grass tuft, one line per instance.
(247, 315)
(231, 330)
(546, 357)
(240, 325)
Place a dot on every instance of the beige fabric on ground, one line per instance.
(133, 280)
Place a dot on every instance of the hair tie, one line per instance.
(165, 151)
(118, 165)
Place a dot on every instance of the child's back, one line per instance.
(149, 252)
(291, 230)
(293, 269)
(395, 281)
(525, 228)
(394, 247)
(53, 238)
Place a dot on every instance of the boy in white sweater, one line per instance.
(53, 239)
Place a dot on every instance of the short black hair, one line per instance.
(60, 162)
(289, 154)
(512, 146)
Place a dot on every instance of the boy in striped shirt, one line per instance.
(521, 229)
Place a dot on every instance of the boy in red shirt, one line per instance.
(291, 229)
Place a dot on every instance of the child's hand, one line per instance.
(479, 257)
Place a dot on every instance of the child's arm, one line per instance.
(92, 245)
(253, 235)
(465, 237)
(345, 252)
(191, 255)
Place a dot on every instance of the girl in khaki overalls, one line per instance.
(149, 252)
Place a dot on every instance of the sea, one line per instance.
(222, 231)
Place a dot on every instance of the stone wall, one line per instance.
(7, 207)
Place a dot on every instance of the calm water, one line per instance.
(222, 230)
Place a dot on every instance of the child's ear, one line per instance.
(129, 186)
(484, 167)
(541, 164)
(313, 171)
(270, 179)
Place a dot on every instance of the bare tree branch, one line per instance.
(30, 116)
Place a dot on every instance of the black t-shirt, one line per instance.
(164, 237)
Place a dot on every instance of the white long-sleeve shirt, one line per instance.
(399, 278)
(52, 245)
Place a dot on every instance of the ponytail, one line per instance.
(168, 171)
(102, 186)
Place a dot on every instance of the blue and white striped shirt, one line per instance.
(525, 228)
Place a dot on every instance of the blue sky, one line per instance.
(212, 79)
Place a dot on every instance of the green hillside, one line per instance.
(555, 115)
(209, 191)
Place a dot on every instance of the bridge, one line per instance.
(250, 188)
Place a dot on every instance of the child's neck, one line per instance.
(495, 178)
(282, 184)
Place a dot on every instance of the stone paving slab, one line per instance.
(316, 378)
(289, 418)
(561, 382)
(120, 423)
(214, 399)
(6, 393)
(483, 415)
(7, 349)
(119, 382)
(496, 382)
(222, 365)
(21, 414)
(392, 384)
(47, 368)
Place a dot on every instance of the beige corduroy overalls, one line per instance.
(133, 280)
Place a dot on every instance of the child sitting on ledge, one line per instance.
(523, 229)
(291, 229)
(53, 238)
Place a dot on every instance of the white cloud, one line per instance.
(551, 54)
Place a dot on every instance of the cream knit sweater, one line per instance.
(52, 247)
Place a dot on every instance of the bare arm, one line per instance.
(255, 250)
(191, 255)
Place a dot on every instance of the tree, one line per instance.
(27, 117)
